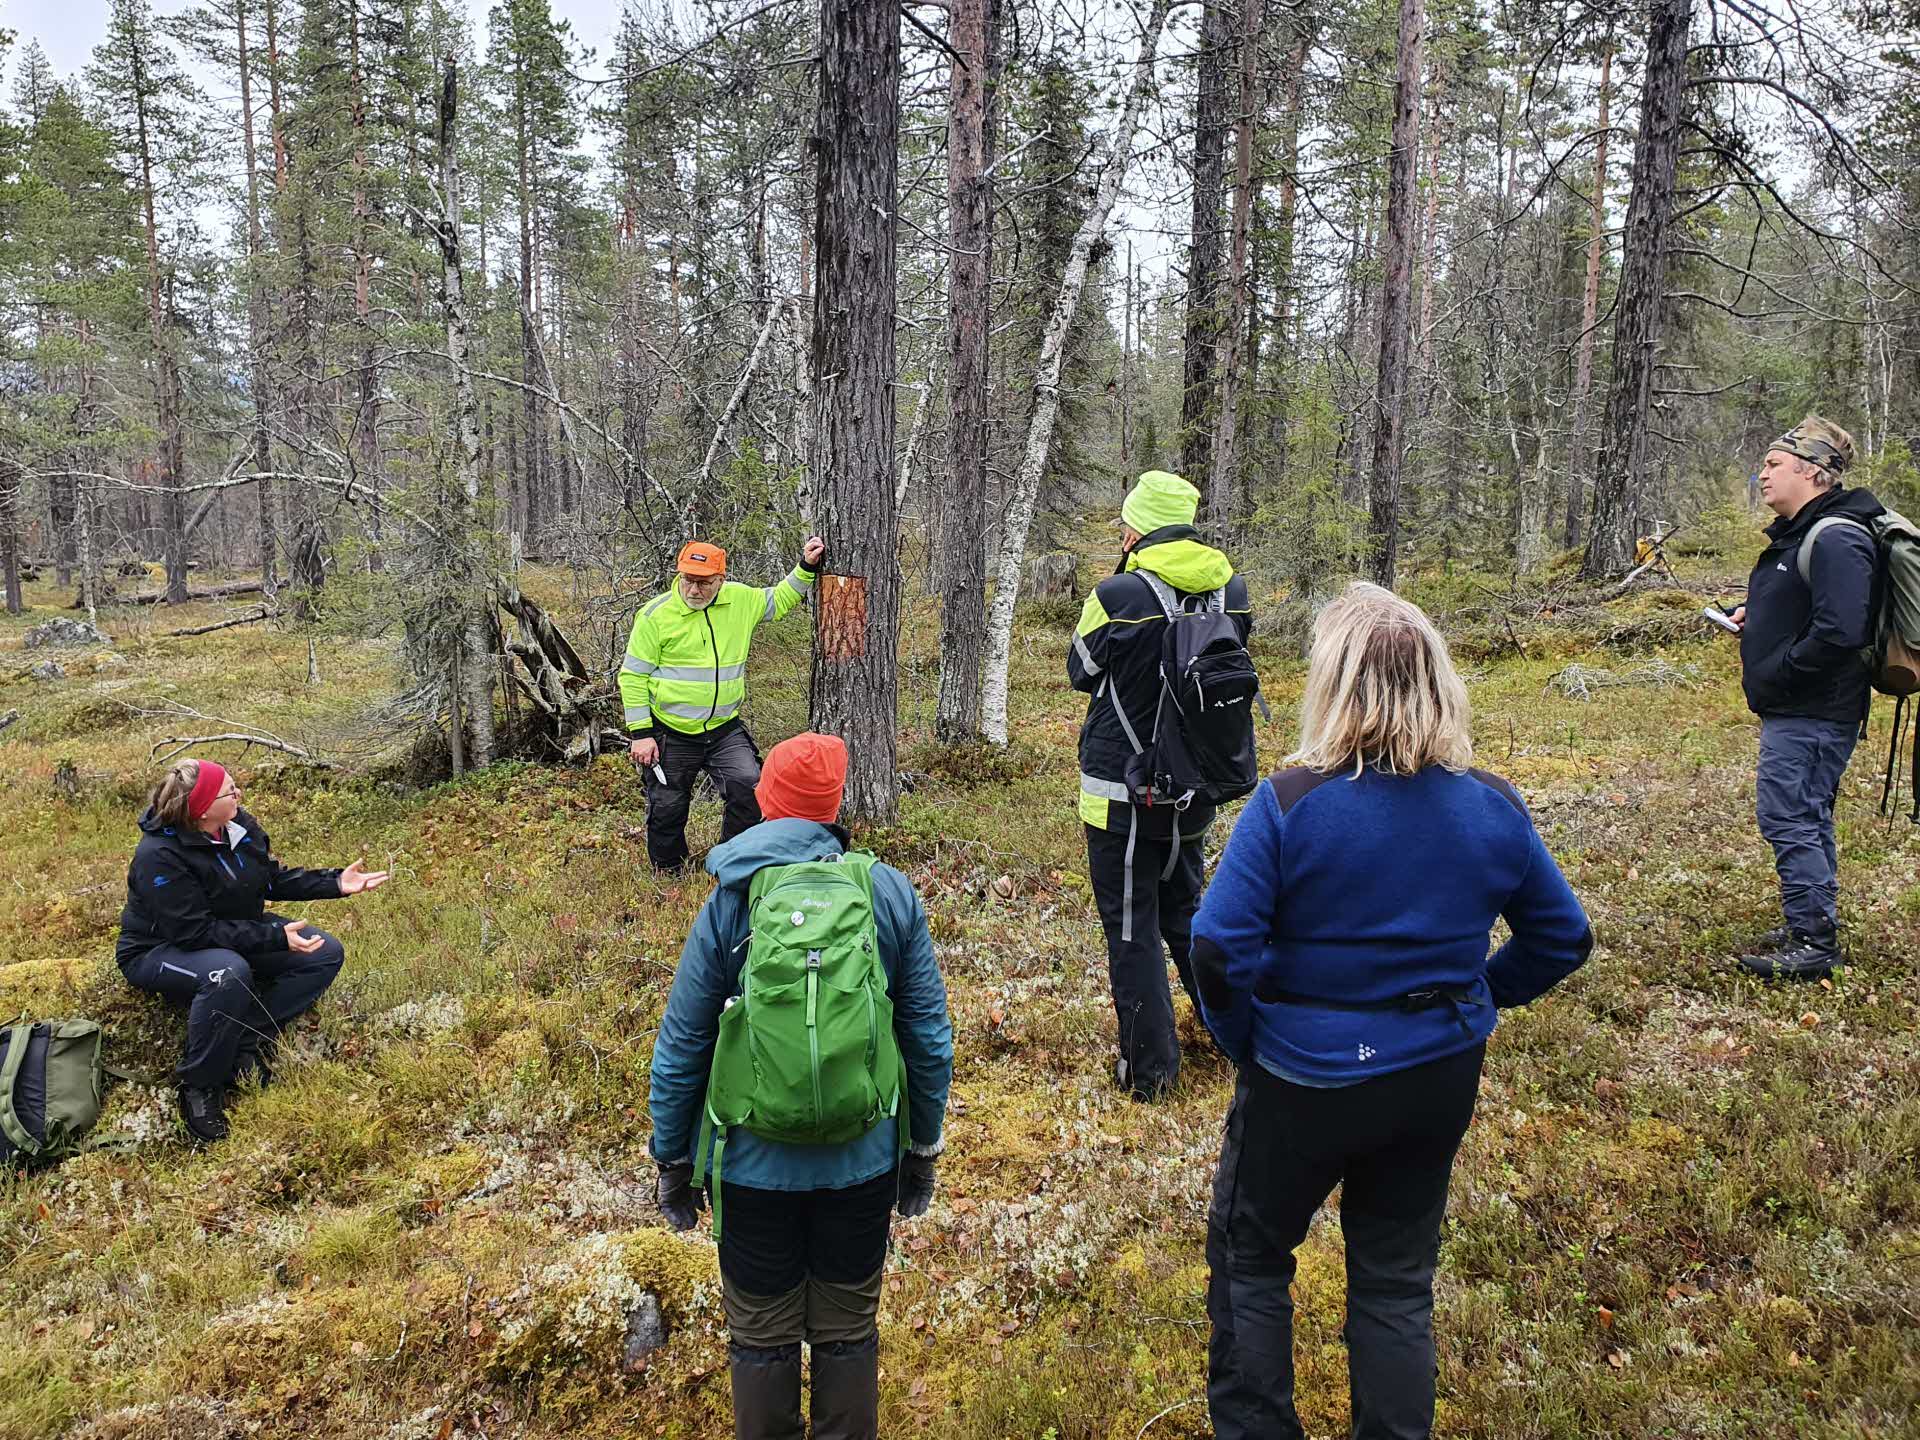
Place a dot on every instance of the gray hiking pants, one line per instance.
(1801, 762)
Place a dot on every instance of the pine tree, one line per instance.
(151, 104)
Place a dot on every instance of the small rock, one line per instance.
(110, 660)
(63, 634)
(48, 670)
(646, 1331)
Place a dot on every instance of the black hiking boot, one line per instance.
(205, 1113)
(254, 1064)
(1802, 957)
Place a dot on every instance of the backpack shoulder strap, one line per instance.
(1803, 559)
(1163, 593)
(18, 1035)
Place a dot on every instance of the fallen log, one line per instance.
(212, 592)
(254, 619)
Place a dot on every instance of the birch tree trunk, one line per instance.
(1636, 324)
(1396, 297)
(1115, 153)
(1578, 460)
(962, 528)
(855, 696)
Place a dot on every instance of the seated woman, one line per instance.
(1341, 958)
(196, 929)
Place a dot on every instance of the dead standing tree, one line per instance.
(854, 691)
(470, 686)
(963, 525)
(1396, 302)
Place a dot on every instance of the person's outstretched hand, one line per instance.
(676, 1197)
(813, 552)
(916, 1185)
(301, 944)
(356, 878)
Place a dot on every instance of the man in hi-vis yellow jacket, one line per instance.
(683, 682)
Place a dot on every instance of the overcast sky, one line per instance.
(69, 29)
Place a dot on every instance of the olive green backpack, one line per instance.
(50, 1079)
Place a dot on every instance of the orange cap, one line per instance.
(803, 779)
(698, 558)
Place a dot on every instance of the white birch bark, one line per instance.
(1118, 152)
(734, 400)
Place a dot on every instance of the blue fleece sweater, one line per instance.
(1357, 890)
(709, 975)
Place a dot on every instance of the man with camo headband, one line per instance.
(1803, 633)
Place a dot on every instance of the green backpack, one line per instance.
(50, 1079)
(806, 1053)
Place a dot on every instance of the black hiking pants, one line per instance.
(234, 1003)
(727, 754)
(1390, 1142)
(1147, 895)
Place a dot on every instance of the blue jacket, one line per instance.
(709, 975)
(1364, 890)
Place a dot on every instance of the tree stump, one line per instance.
(1052, 577)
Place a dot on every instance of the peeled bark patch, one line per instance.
(843, 617)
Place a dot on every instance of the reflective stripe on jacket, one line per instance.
(686, 669)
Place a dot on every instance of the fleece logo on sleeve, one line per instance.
(160, 880)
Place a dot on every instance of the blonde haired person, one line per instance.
(1803, 637)
(1341, 956)
(196, 930)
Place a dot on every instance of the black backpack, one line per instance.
(1201, 745)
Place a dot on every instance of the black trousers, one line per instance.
(1391, 1142)
(234, 1003)
(729, 755)
(1147, 912)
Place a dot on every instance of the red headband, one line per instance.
(206, 789)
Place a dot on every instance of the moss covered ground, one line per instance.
(1689, 1205)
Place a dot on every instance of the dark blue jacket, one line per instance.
(1358, 891)
(1801, 648)
(185, 888)
(709, 975)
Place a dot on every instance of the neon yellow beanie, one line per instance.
(1159, 498)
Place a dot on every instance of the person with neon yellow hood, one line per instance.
(1144, 860)
(683, 682)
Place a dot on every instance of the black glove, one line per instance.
(677, 1200)
(916, 1184)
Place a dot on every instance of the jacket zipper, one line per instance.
(713, 644)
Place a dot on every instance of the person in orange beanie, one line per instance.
(802, 1227)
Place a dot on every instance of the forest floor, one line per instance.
(1689, 1205)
